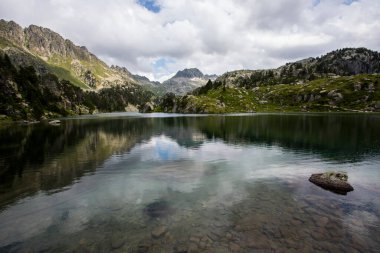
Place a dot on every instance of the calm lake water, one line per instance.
(174, 183)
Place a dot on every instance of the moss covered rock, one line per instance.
(333, 181)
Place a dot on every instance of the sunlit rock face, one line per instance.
(52, 48)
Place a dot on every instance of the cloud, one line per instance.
(215, 36)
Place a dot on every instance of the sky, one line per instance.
(156, 38)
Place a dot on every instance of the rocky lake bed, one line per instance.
(174, 183)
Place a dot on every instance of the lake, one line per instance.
(126, 182)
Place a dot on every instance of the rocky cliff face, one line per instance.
(66, 60)
(12, 32)
(46, 43)
(189, 73)
(342, 62)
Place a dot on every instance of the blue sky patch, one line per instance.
(150, 5)
(161, 63)
(316, 2)
(346, 2)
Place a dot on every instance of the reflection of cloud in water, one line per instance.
(211, 174)
(165, 149)
(159, 148)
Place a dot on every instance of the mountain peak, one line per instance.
(189, 73)
(11, 31)
(67, 60)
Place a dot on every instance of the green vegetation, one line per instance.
(98, 68)
(342, 80)
(352, 93)
(28, 95)
(64, 74)
(4, 43)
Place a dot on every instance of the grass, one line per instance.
(289, 98)
(99, 69)
(65, 74)
(63, 68)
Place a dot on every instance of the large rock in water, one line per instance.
(332, 181)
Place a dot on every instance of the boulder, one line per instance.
(338, 97)
(54, 122)
(117, 241)
(148, 107)
(332, 181)
(371, 88)
(357, 87)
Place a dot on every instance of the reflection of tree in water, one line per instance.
(338, 136)
(56, 156)
(43, 157)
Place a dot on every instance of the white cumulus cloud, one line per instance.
(215, 36)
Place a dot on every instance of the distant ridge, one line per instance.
(186, 80)
(343, 80)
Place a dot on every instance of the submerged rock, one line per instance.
(157, 209)
(333, 181)
(117, 240)
(159, 231)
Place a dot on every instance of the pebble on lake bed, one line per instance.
(159, 231)
(333, 181)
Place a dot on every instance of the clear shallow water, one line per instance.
(169, 183)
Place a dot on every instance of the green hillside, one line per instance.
(348, 93)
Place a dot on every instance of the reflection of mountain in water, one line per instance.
(337, 136)
(43, 157)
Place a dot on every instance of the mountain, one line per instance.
(43, 75)
(189, 73)
(153, 86)
(343, 80)
(185, 81)
(342, 62)
(49, 52)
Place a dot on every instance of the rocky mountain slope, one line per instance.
(52, 53)
(343, 80)
(27, 94)
(342, 62)
(186, 81)
(43, 75)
